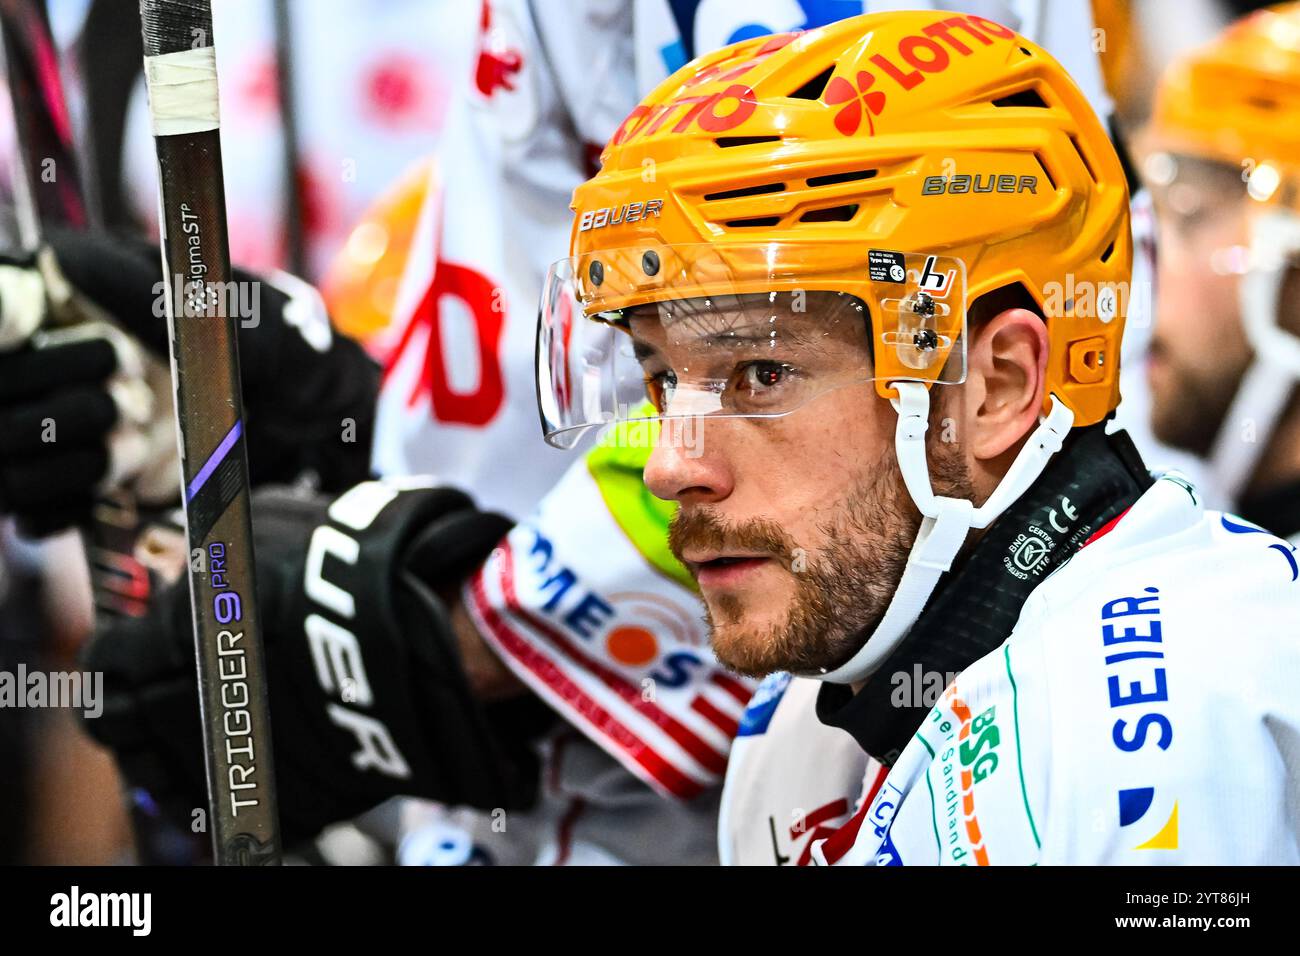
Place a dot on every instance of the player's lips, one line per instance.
(717, 570)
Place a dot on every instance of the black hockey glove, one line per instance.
(89, 407)
(81, 407)
(368, 697)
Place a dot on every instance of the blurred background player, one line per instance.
(1225, 172)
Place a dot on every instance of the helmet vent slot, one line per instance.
(1105, 256)
(1051, 180)
(834, 178)
(753, 223)
(1084, 159)
(758, 190)
(813, 89)
(727, 142)
(1026, 97)
(831, 214)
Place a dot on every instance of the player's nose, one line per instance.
(684, 467)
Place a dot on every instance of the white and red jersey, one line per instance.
(1142, 712)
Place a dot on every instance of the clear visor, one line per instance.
(754, 331)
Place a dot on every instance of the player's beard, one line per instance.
(1188, 412)
(842, 592)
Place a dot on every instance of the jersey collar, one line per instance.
(1093, 480)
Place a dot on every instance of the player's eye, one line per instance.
(763, 386)
(659, 388)
(757, 377)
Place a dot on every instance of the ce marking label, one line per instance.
(1068, 510)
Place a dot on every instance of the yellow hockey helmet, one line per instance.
(910, 161)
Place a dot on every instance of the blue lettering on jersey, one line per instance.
(675, 669)
(880, 818)
(758, 713)
(588, 612)
(1241, 526)
(1133, 636)
(888, 854)
(1141, 639)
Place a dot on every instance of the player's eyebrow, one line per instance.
(643, 350)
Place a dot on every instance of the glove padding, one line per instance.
(364, 706)
(55, 416)
(82, 406)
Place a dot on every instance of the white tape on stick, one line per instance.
(182, 91)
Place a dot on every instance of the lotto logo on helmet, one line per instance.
(711, 112)
(917, 56)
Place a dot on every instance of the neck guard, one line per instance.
(1092, 480)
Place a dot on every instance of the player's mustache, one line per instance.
(699, 529)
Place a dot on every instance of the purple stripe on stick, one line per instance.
(215, 459)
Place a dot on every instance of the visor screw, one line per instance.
(924, 304)
(925, 340)
(650, 262)
(596, 271)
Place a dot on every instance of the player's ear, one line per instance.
(1006, 375)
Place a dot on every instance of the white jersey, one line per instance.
(1143, 711)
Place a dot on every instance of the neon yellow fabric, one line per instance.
(616, 464)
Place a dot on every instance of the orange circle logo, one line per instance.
(634, 646)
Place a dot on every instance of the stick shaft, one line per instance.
(205, 367)
(48, 167)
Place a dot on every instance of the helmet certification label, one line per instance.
(886, 266)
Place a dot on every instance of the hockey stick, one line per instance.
(180, 69)
(42, 124)
(296, 253)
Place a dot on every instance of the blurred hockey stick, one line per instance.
(180, 69)
(48, 192)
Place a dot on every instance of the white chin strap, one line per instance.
(1275, 368)
(946, 522)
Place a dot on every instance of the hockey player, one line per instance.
(1225, 171)
(886, 434)
(585, 606)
